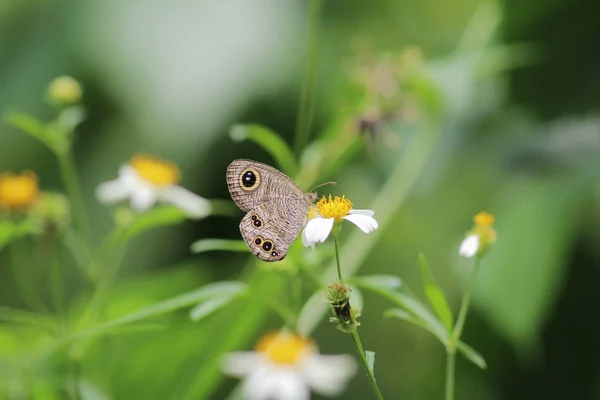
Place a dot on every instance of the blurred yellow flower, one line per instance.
(65, 90)
(18, 191)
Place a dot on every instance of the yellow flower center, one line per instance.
(157, 172)
(484, 219)
(284, 348)
(336, 208)
(18, 190)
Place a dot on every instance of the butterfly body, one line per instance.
(276, 207)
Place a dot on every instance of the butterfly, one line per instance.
(276, 207)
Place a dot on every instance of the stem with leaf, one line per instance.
(456, 333)
(355, 336)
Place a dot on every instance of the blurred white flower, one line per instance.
(145, 181)
(469, 246)
(331, 211)
(286, 366)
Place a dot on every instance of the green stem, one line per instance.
(464, 306)
(24, 279)
(457, 332)
(70, 179)
(337, 259)
(450, 363)
(306, 106)
(355, 337)
(363, 357)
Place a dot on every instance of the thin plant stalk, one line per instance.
(365, 363)
(337, 260)
(355, 336)
(306, 106)
(70, 178)
(457, 332)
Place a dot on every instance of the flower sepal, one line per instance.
(345, 316)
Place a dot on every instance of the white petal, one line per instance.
(469, 246)
(129, 176)
(305, 241)
(370, 213)
(366, 223)
(239, 363)
(316, 231)
(188, 202)
(327, 374)
(274, 382)
(143, 198)
(112, 191)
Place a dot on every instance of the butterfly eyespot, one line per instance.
(257, 222)
(249, 179)
(267, 245)
(274, 254)
(257, 240)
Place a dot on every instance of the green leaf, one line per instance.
(89, 391)
(472, 355)
(271, 142)
(435, 294)
(356, 298)
(31, 125)
(370, 355)
(203, 245)
(17, 316)
(163, 215)
(385, 282)
(225, 288)
(206, 308)
(390, 291)
(306, 319)
(10, 231)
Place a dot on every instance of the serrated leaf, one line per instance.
(271, 142)
(207, 307)
(472, 355)
(204, 245)
(436, 296)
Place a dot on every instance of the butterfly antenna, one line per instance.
(332, 183)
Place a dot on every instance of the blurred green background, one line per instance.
(517, 134)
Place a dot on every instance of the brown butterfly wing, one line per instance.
(252, 183)
(272, 227)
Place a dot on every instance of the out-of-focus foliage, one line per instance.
(426, 112)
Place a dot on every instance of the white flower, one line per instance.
(287, 367)
(480, 237)
(328, 211)
(469, 246)
(145, 181)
